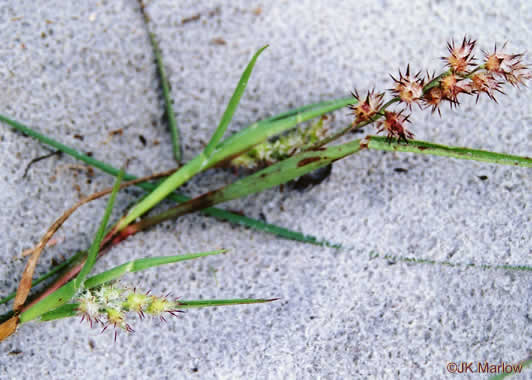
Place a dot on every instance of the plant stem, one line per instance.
(416, 146)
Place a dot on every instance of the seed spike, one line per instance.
(409, 89)
(366, 108)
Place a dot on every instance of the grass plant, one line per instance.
(280, 151)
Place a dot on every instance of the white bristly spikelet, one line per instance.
(109, 305)
(89, 308)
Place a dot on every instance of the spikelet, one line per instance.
(110, 305)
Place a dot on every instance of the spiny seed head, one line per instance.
(115, 316)
(109, 294)
(462, 77)
(159, 305)
(136, 301)
(485, 82)
(508, 66)
(493, 63)
(88, 307)
(408, 88)
(433, 98)
(365, 109)
(518, 75)
(498, 62)
(451, 88)
(394, 124)
(110, 305)
(460, 57)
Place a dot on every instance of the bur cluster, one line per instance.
(110, 305)
(465, 75)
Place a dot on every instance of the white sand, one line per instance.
(87, 69)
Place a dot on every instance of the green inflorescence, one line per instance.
(282, 147)
(109, 305)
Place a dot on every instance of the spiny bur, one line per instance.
(110, 305)
(461, 77)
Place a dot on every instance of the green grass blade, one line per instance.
(65, 311)
(61, 147)
(308, 107)
(142, 264)
(308, 161)
(259, 225)
(172, 123)
(233, 104)
(47, 275)
(166, 187)
(214, 212)
(284, 171)
(423, 147)
(58, 298)
(419, 260)
(95, 246)
(188, 304)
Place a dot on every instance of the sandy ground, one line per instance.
(80, 71)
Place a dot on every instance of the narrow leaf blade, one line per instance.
(95, 246)
(142, 264)
(52, 301)
(423, 147)
(233, 104)
(172, 123)
(65, 311)
(284, 171)
(190, 304)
